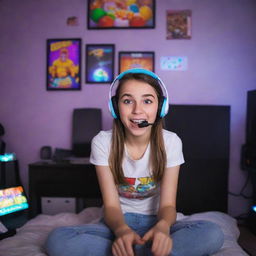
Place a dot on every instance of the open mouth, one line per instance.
(137, 121)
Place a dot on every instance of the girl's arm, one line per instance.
(160, 233)
(167, 205)
(113, 215)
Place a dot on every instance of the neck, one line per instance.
(137, 140)
(136, 147)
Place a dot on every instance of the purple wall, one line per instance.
(221, 68)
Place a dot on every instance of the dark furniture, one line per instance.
(60, 180)
(204, 131)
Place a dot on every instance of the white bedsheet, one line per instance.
(30, 238)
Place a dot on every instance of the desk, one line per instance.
(60, 180)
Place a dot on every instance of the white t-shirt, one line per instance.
(142, 193)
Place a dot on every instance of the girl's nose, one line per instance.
(137, 108)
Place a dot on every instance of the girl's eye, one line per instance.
(148, 101)
(127, 101)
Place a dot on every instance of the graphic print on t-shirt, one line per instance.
(138, 188)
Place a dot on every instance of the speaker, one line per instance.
(248, 152)
(2, 147)
(1, 130)
(251, 118)
(46, 153)
(9, 174)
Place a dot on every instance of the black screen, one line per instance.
(86, 124)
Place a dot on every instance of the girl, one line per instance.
(137, 165)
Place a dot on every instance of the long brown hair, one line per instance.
(157, 153)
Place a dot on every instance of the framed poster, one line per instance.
(100, 63)
(178, 24)
(120, 14)
(128, 60)
(63, 64)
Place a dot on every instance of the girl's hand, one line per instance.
(161, 240)
(125, 238)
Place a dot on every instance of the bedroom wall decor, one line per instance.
(175, 63)
(99, 63)
(63, 64)
(178, 24)
(128, 60)
(120, 14)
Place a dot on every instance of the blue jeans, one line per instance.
(190, 238)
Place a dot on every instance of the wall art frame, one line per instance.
(121, 14)
(136, 59)
(63, 64)
(100, 60)
(178, 24)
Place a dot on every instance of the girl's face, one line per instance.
(137, 102)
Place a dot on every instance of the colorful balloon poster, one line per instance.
(120, 14)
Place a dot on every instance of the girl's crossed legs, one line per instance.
(190, 238)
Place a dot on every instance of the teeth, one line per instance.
(138, 121)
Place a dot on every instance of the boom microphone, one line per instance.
(144, 124)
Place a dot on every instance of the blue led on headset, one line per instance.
(165, 106)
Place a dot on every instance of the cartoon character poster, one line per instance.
(178, 24)
(128, 60)
(63, 64)
(100, 63)
(112, 14)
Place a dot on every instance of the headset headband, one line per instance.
(165, 106)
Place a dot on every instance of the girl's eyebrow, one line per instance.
(148, 95)
(126, 95)
(144, 95)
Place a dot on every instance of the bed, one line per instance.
(202, 190)
(30, 238)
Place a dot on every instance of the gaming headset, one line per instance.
(163, 105)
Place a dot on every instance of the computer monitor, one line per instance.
(87, 122)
